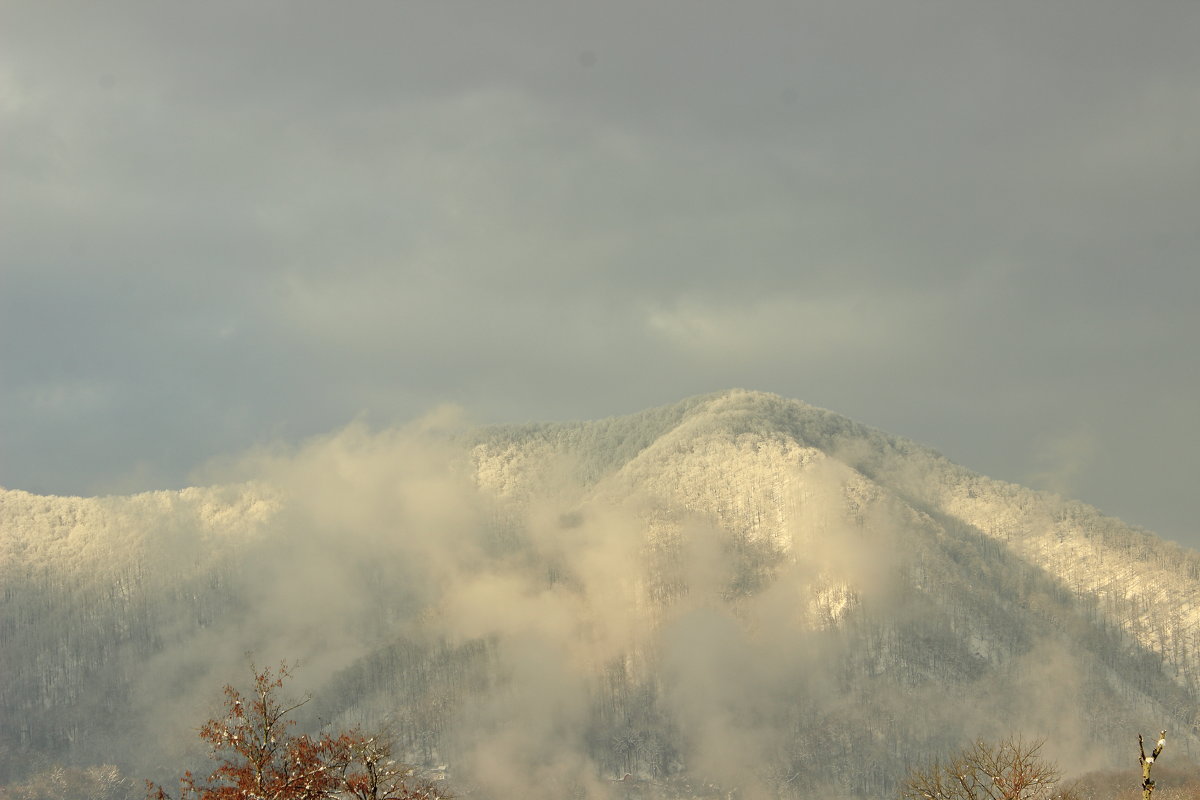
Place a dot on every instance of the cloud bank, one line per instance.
(230, 226)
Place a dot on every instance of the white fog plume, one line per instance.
(738, 591)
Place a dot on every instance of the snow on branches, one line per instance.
(258, 757)
(1147, 762)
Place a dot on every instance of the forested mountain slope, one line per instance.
(735, 591)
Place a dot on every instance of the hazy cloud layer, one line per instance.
(973, 226)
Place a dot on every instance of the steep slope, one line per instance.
(1034, 613)
(738, 590)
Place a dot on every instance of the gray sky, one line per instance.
(972, 224)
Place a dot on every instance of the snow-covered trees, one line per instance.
(259, 758)
(99, 782)
(1147, 762)
(1010, 770)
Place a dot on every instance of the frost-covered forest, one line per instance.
(737, 591)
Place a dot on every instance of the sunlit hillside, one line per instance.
(737, 591)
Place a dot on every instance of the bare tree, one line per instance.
(1147, 762)
(100, 782)
(1011, 770)
(259, 758)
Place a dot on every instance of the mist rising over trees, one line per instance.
(735, 591)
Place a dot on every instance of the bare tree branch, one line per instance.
(1011, 770)
(1147, 762)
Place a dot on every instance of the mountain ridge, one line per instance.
(864, 577)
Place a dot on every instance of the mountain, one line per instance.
(736, 592)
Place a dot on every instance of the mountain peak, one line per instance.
(705, 592)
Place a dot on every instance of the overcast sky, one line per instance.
(972, 224)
